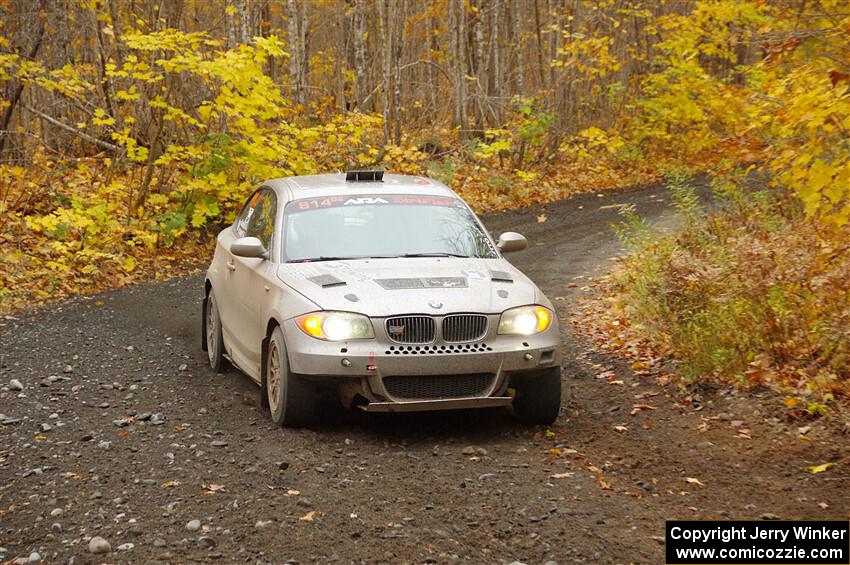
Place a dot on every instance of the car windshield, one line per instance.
(376, 226)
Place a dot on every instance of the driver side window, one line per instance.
(247, 213)
(261, 222)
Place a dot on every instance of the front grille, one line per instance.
(464, 327)
(438, 387)
(411, 329)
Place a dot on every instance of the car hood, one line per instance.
(387, 287)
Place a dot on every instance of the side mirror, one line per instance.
(511, 241)
(250, 247)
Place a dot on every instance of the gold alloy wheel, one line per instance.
(273, 378)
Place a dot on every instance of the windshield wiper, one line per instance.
(354, 257)
(328, 258)
(435, 254)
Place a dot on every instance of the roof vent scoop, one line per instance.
(364, 176)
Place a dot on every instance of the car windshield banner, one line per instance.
(372, 200)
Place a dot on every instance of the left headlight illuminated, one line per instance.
(335, 326)
(525, 320)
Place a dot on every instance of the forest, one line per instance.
(133, 129)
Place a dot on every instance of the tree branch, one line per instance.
(75, 131)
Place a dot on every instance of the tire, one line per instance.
(291, 399)
(538, 397)
(214, 339)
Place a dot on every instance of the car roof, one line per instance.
(334, 184)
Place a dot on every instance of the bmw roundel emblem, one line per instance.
(435, 304)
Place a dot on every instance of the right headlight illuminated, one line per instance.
(336, 326)
(525, 320)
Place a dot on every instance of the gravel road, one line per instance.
(122, 440)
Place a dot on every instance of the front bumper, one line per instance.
(374, 369)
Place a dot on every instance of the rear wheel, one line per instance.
(291, 398)
(538, 397)
(215, 341)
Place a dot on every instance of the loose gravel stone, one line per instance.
(193, 525)
(126, 546)
(206, 542)
(98, 545)
(15, 385)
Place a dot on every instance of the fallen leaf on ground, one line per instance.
(212, 488)
(170, 484)
(814, 470)
(293, 492)
(541, 218)
(641, 407)
(309, 516)
(694, 481)
(561, 475)
(621, 428)
(823, 505)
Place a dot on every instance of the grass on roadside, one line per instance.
(750, 292)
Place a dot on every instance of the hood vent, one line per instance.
(501, 276)
(326, 281)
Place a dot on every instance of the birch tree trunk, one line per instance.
(518, 51)
(478, 66)
(397, 29)
(457, 43)
(385, 13)
(361, 86)
(298, 50)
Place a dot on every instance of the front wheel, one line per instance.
(214, 339)
(538, 397)
(291, 398)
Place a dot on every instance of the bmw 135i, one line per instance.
(385, 288)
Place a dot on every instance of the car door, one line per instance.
(248, 276)
(224, 283)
